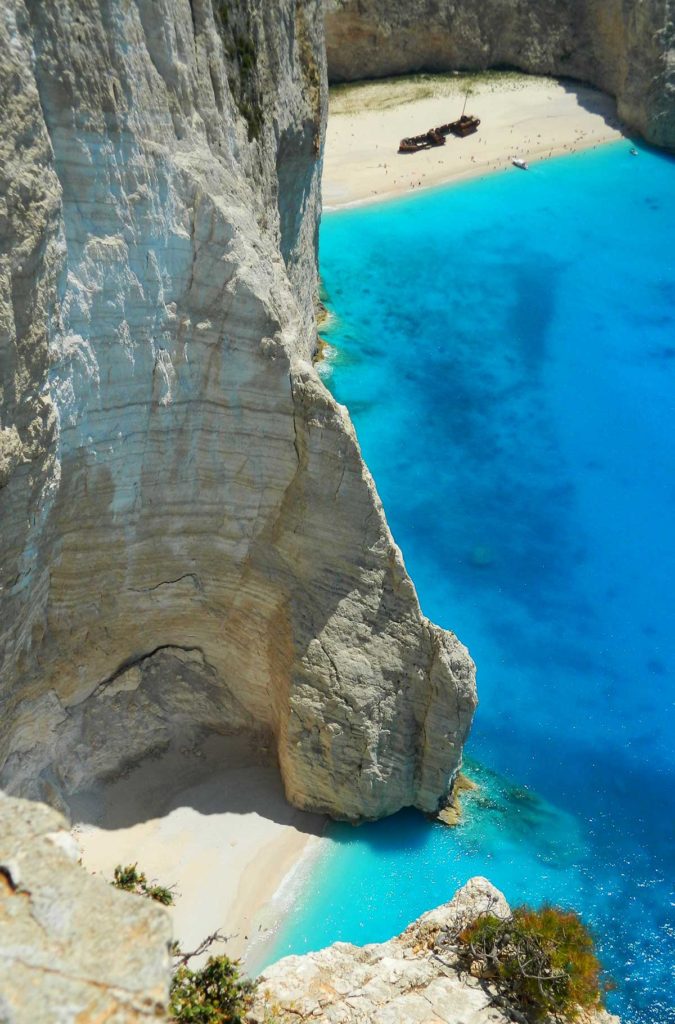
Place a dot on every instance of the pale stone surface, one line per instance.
(408, 980)
(72, 948)
(625, 47)
(190, 541)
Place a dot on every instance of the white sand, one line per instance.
(214, 823)
(521, 116)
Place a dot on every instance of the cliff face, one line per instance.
(625, 47)
(189, 538)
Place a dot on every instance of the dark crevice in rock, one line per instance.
(137, 660)
(168, 583)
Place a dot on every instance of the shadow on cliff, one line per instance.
(595, 102)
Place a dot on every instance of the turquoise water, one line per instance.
(506, 348)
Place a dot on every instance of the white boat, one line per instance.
(520, 163)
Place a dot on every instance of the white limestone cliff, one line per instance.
(190, 540)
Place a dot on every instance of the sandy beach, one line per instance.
(213, 824)
(521, 117)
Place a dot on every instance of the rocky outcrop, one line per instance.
(625, 47)
(72, 948)
(189, 538)
(410, 979)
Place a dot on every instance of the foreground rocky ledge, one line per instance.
(403, 981)
(73, 948)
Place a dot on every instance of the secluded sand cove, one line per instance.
(521, 117)
(213, 821)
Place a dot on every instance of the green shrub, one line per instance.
(245, 53)
(542, 962)
(130, 879)
(243, 79)
(216, 994)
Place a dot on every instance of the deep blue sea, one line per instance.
(506, 348)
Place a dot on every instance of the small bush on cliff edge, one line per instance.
(542, 962)
(130, 879)
(215, 994)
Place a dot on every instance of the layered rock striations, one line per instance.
(625, 47)
(189, 538)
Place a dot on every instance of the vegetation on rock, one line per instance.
(310, 70)
(542, 962)
(382, 94)
(130, 879)
(243, 79)
(214, 994)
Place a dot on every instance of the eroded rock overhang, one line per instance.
(190, 539)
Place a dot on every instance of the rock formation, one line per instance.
(72, 948)
(625, 47)
(189, 539)
(408, 979)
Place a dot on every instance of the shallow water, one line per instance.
(506, 348)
